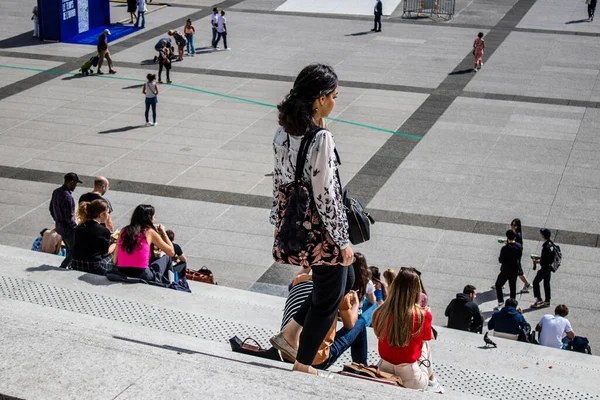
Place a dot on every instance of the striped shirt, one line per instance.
(298, 294)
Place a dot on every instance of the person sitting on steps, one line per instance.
(403, 329)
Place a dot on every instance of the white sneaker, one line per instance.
(499, 306)
(227, 48)
(155, 124)
(480, 65)
(148, 123)
(434, 386)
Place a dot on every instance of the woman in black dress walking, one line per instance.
(131, 8)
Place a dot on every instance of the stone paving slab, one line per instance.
(199, 136)
(398, 61)
(493, 160)
(542, 65)
(560, 16)
(354, 7)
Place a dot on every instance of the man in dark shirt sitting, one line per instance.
(510, 259)
(103, 52)
(62, 210)
(462, 312)
(101, 186)
(509, 320)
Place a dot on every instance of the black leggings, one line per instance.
(167, 66)
(319, 311)
(592, 8)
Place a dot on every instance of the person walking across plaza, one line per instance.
(214, 19)
(378, 11)
(189, 32)
(545, 273)
(141, 13)
(62, 210)
(222, 31)
(515, 225)
(301, 119)
(478, 47)
(591, 9)
(510, 260)
(164, 61)
(131, 9)
(103, 52)
(36, 22)
(150, 89)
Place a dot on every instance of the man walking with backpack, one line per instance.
(549, 262)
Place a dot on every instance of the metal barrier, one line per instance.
(416, 8)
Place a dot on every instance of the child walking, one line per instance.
(150, 89)
(36, 24)
(478, 47)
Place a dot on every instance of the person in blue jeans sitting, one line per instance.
(353, 334)
(509, 319)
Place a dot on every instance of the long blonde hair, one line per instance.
(394, 317)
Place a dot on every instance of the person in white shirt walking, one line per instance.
(222, 31)
(214, 19)
(141, 13)
(555, 330)
(151, 91)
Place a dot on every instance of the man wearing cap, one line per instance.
(103, 52)
(62, 209)
(101, 186)
(545, 272)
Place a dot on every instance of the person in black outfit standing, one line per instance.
(302, 112)
(462, 312)
(545, 272)
(510, 260)
(62, 210)
(591, 9)
(378, 12)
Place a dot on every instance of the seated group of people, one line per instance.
(142, 249)
(509, 322)
(398, 311)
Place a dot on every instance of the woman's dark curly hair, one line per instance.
(296, 109)
(141, 221)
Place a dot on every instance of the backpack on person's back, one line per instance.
(557, 257)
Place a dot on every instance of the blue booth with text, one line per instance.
(62, 20)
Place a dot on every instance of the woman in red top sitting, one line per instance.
(404, 329)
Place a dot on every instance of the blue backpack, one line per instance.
(580, 344)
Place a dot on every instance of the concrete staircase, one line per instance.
(67, 334)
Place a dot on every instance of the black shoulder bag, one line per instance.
(359, 220)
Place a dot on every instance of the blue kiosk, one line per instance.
(62, 20)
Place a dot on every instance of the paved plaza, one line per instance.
(443, 158)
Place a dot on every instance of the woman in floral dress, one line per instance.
(478, 47)
(302, 113)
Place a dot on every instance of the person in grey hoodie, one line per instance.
(462, 312)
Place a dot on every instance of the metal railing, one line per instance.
(417, 8)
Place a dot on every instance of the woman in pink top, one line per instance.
(478, 46)
(136, 243)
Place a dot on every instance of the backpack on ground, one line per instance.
(557, 257)
(580, 344)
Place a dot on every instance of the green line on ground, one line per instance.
(226, 96)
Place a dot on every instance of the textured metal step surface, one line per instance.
(463, 380)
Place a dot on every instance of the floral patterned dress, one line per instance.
(478, 47)
(319, 172)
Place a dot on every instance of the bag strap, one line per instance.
(303, 152)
